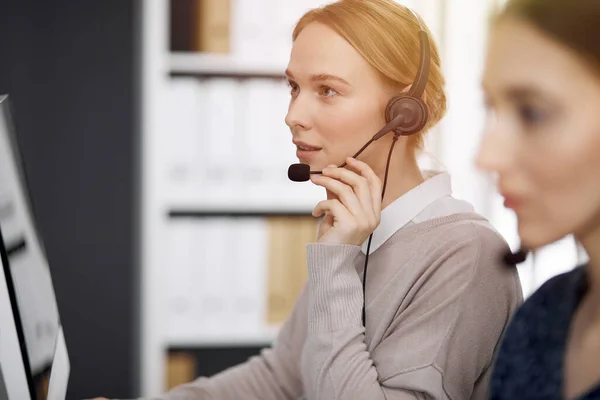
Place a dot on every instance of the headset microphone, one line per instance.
(299, 172)
(511, 259)
(405, 114)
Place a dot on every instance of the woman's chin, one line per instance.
(537, 236)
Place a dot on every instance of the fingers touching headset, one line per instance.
(353, 207)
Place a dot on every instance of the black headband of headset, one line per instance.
(418, 86)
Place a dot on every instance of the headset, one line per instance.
(405, 114)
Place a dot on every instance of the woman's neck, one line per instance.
(404, 174)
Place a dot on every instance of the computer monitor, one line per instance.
(26, 285)
(14, 384)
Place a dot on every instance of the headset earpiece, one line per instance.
(410, 105)
(414, 111)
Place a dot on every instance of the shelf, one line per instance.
(263, 338)
(216, 65)
(194, 198)
(191, 213)
(181, 209)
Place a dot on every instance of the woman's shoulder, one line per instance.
(463, 232)
(466, 245)
(459, 226)
(466, 240)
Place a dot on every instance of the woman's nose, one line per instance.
(298, 115)
(495, 152)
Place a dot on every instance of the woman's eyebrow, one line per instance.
(321, 77)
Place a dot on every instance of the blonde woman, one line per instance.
(436, 301)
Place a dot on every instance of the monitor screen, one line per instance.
(27, 273)
(13, 375)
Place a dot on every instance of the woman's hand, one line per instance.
(353, 206)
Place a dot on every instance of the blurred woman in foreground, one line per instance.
(542, 83)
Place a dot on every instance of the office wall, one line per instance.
(71, 70)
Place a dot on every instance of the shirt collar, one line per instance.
(405, 208)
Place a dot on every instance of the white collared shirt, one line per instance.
(431, 199)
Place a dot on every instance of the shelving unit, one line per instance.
(168, 201)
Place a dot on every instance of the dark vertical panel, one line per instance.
(71, 68)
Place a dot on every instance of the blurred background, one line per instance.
(153, 134)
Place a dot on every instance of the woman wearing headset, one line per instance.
(542, 82)
(436, 301)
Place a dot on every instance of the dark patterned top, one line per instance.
(530, 361)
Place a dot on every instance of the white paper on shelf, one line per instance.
(201, 114)
(183, 140)
(214, 252)
(250, 30)
(248, 280)
(181, 287)
(284, 15)
(222, 151)
(255, 115)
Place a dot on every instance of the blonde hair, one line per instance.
(386, 34)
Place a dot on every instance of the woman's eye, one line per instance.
(293, 88)
(531, 116)
(327, 91)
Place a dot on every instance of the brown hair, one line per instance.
(574, 23)
(386, 34)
